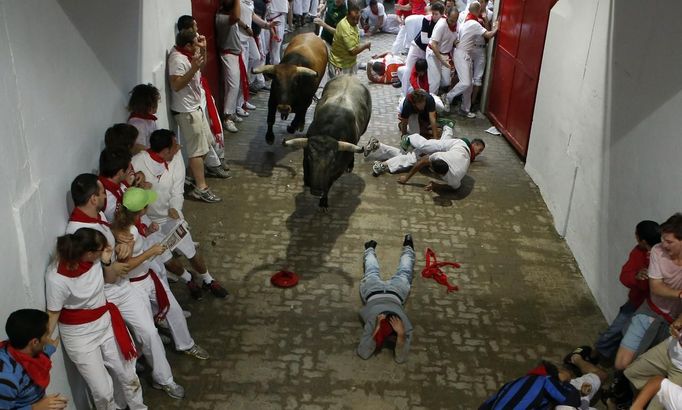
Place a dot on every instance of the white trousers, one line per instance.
(478, 56)
(233, 91)
(465, 67)
(175, 318)
(439, 73)
(272, 45)
(137, 313)
(310, 7)
(259, 79)
(93, 367)
(215, 153)
(414, 54)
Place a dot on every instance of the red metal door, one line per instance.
(204, 12)
(516, 69)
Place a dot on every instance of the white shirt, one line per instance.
(275, 7)
(374, 18)
(169, 184)
(588, 378)
(138, 249)
(470, 32)
(144, 129)
(188, 99)
(457, 159)
(444, 36)
(82, 292)
(111, 205)
(246, 17)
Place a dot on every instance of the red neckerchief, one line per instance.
(141, 227)
(185, 53)
(472, 153)
(157, 158)
(112, 187)
(451, 27)
(433, 270)
(37, 368)
(385, 330)
(79, 216)
(472, 17)
(81, 268)
(142, 116)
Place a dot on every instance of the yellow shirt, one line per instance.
(346, 38)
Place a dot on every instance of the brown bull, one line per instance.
(295, 80)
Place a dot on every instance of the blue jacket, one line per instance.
(533, 392)
(17, 390)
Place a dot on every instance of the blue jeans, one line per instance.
(400, 283)
(609, 341)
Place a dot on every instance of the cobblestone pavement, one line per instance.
(521, 295)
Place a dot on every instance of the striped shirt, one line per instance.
(533, 392)
(17, 390)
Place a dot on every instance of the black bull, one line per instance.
(341, 117)
(295, 80)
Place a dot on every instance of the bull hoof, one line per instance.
(324, 203)
(300, 127)
(270, 137)
(291, 129)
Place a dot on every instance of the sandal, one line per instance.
(583, 351)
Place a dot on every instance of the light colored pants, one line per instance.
(195, 132)
(274, 47)
(391, 24)
(478, 56)
(464, 65)
(399, 283)
(215, 153)
(397, 161)
(233, 91)
(414, 54)
(654, 362)
(439, 73)
(135, 309)
(334, 71)
(175, 318)
(93, 367)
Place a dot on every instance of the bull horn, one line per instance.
(348, 147)
(265, 69)
(306, 71)
(296, 143)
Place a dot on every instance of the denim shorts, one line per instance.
(639, 324)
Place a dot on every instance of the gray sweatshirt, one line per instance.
(369, 313)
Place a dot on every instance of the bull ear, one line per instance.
(348, 147)
(306, 71)
(296, 143)
(265, 69)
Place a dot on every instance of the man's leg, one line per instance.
(91, 367)
(124, 371)
(463, 66)
(187, 248)
(478, 57)
(402, 280)
(371, 279)
(231, 85)
(608, 341)
(639, 324)
(433, 72)
(401, 162)
(192, 133)
(399, 43)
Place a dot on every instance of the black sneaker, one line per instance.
(371, 244)
(215, 288)
(194, 290)
(408, 241)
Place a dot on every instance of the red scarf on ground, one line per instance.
(142, 116)
(432, 270)
(419, 82)
(385, 330)
(83, 316)
(81, 268)
(37, 368)
(77, 215)
(157, 158)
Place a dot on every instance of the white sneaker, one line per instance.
(236, 118)
(172, 389)
(229, 125)
(446, 104)
(242, 112)
(249, 106)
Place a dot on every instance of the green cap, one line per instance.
(136, 199)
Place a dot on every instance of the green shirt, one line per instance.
(347, 37)
(332, 16)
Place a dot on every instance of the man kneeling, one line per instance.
(384, 319)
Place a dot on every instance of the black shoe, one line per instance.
(408, 241)
(371, 244)
(215, 288)
(194, 290)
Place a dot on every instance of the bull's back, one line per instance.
(344, 98)
(307, 50)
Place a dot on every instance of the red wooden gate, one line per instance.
(204, 12)
(516, 70)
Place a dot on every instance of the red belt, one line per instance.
(161, 296)
(83, 316)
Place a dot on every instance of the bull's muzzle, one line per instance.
(284, 111)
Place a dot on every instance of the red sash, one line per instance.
(83, 316)
(243, 78)
(161, 296)
(432, 270)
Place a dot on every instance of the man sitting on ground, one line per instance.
(25, 363)
(374, 19)
(383, 315)
(418, 115)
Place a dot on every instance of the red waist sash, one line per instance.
(161, 296)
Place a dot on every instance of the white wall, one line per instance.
(65, 70)
(605, 132)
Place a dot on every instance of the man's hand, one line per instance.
(123, 250)
(173, 213)
(446, 62)
(430, 187)
(158, 249)
(642, 275)
(318, 21)
(51, 402)
(397, 325)
(676, 328)
(402, 179)
(120, 268)
(248, 31)
(201, 41)
(496, 24)
(198, 61)
(153, 227)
